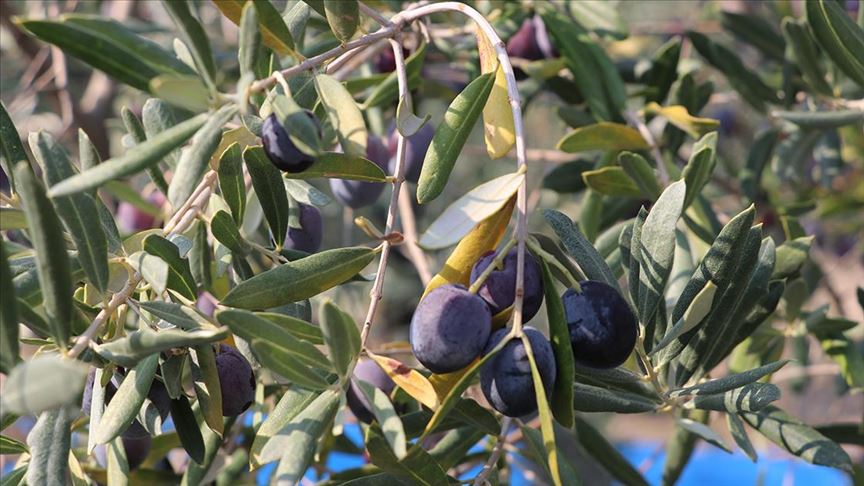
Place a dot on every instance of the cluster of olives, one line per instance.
(287, 157)
(236, 382)
(452, 327)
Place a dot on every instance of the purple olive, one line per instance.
(357, 194)
(308, 236)
(371, 373)
(386, 61)
(499, 288)
(281, 150)
(523, 44)
(506, 379)
(130, 219)
(449, 328)
(602, 327)
(236, 380)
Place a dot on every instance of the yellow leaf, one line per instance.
(602, 136)
(681, 118)
(484, 237)
(241, 135)
(498, 127)
(233, 10)
(408, 379)
(443, 383)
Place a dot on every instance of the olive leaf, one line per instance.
(450, 137)
(46, 382)
(798, 438)
(602, 136)
(52, 261)
(49, 442)
(300, 279)
(135, 159)
(269, 190)
(468, 211)
(9, 354)
(302, 434)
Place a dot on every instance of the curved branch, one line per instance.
(518, 128)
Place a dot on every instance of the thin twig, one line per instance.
(637, 123)
(376, 294)
(377, 17)
(383, 33)
(483, 477)
(179, 223)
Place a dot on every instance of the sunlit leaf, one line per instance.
(300, 279)
(135, 159)
(410, 380)
(602, 136)
(798, 438)
(343, 112)
(302, 434)
(138, 345)
(450, 137)
(469, 210)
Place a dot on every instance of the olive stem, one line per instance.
(312, 62)
(649, 368)
(634, 120)
(273, 255)
(401, 145)
(179, 222)
(494, 265)
(483, 476)
(572, 282)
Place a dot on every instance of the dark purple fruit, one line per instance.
(523, 44)
(415, 151)
(130, 219)
(602, 327)
(506, 378)
(449, 329)
(371, 373)
(281, 150)
(236, 380)
(386, 61)
(357, 194)
(308, 236)
(499, 289)
(544, 42)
